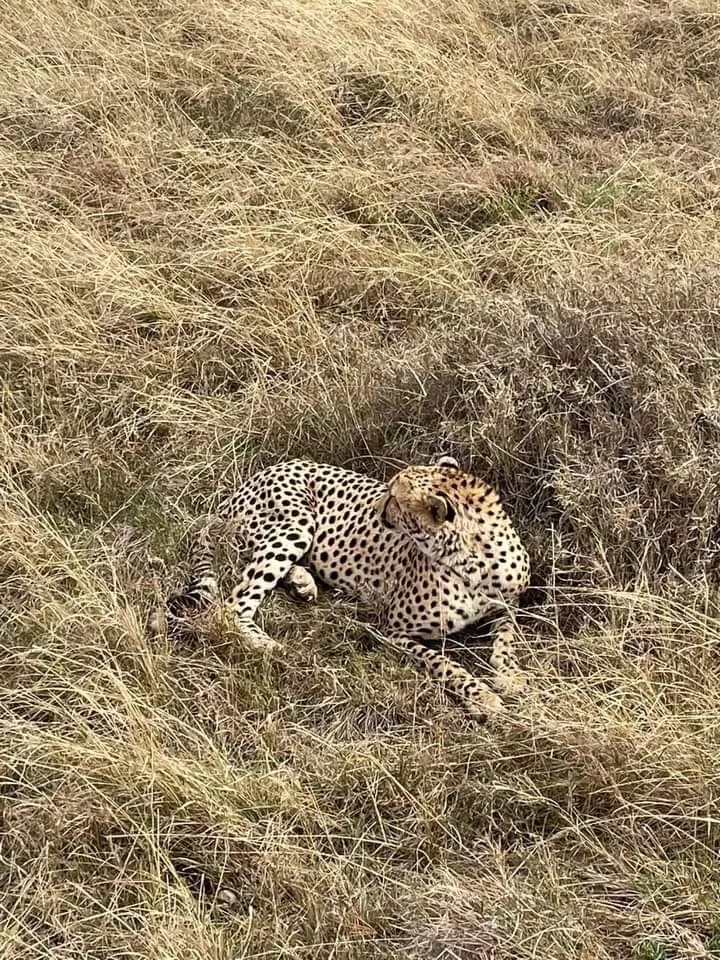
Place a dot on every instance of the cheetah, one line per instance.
(430, 552)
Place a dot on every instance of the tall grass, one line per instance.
(364, 232)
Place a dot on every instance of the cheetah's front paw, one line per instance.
(255, 638)
(512, 683)
(484, 706)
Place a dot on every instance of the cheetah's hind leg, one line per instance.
(273, 561)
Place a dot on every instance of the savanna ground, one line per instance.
(365, 231)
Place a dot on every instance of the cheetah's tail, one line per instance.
(200, 590)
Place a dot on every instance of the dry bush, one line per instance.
(363, 232)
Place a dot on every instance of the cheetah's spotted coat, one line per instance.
(433, 551)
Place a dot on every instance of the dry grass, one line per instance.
(361, 231)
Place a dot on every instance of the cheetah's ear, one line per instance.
(381, 506)
(440, 509)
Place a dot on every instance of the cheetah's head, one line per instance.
(445, 512)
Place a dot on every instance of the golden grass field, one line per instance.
(367, 232)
